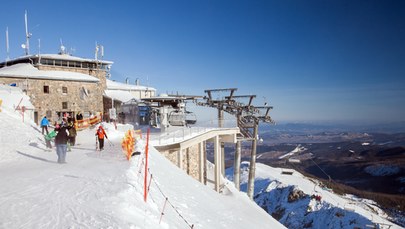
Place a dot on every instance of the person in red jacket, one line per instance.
(101, 134)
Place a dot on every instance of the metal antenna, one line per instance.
(27, 35)
(96, 52)
(102, 51)
(72, 51)
(7, 46)
(62, 47)
(39, 51)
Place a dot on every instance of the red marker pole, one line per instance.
(23, 110)
(145, 191)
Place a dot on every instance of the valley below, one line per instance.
(365, 164)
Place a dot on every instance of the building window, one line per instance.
(64, 90)
(64, 105)
(46, 89)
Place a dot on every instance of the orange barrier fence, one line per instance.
(87, 122)
(128, 142)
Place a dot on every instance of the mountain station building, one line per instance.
(63, 85)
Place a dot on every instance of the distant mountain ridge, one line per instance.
(302, 127)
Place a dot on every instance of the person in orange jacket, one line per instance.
(101, 134)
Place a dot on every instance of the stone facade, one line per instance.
(99, 74)
(53, 98)
(51, 104)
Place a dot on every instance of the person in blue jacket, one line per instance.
(44, 125)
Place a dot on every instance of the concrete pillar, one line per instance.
(217, 162)
(201, 162)
(223, 158)
(188, 162)
(236, 165)
(205, 161)
(252, 166)
(164, 122)
(180, 158)
(220, 117)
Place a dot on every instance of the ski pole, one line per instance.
(111, 144)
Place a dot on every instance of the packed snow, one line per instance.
(101, 189)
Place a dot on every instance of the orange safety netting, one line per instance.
(128, 142)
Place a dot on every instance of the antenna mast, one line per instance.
(96, 52)
(62, 47)
(7, 46)
(27, 35)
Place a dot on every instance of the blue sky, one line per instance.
(311, 60)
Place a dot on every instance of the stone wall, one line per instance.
(48, 104)
(99, 73)
(84, 97)
(190, 160)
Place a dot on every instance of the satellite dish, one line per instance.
(23, 46)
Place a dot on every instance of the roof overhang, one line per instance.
(123, 96)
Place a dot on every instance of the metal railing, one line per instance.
(179, 134)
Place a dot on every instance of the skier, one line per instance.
(44, 125)
(61, 142)
(48, 139)
(100, 135)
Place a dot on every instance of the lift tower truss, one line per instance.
(248, 117)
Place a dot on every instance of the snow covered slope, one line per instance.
(102, 189)
(299, 202)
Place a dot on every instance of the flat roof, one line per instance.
(29, 71)
(59, 57)
(113, 85)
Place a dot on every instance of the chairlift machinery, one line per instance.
(248, 117)
(170, 110)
